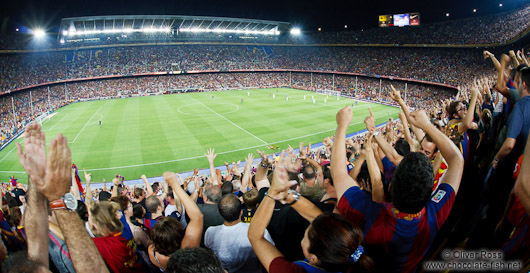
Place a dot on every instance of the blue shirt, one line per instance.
(519, 121)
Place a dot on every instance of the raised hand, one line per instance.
(395, 94)
(264, 158)
(505, 59)
(344, 117)
(210, 155)
(115, 181)
(419, 119)
(327, 141)
(369, 121)
(249, 159)
(33, 160)
(280, 179)
(88, 178)
(289, 148)
(171, 179)
(58, 174)
(487, 54)
(302, 152)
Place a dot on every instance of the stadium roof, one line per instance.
(93, 25)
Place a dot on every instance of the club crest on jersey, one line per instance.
(438, 196)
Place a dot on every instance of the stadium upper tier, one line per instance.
(449, 66)
(492, 30)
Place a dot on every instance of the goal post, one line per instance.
(332, 93)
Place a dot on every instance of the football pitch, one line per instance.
(150, 135)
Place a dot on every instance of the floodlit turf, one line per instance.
(150, 135)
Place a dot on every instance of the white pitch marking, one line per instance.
(230, 121)
(78, 134)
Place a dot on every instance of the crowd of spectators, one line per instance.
(417, 193)
(28, 105)
(449, 66)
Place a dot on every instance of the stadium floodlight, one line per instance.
(296, 31)
(474, 10)
(345, 26)
(17, 29)
(500, 5)
(61, 41)
(447, 14)
(38, 33)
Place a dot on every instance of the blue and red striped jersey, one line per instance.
(405, 237)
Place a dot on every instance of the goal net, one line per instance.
(331, 93)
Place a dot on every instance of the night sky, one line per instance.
(308, 14)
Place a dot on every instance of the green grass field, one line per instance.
(150, 135)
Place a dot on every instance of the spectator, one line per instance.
(229, 241)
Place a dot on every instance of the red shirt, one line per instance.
(282, 265)
(118, 253)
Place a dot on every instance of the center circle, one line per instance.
(207, 109)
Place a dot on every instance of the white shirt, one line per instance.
(172, 208)
(499, 105)
(231, 245)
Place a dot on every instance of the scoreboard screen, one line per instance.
(399, 20)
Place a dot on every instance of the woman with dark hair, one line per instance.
(330, 244)
(168, 236)
(140, 236)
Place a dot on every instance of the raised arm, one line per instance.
(341, 180)
(193, 235)
(261, 173)
(245, 180)
(116, 183)
(33, 160)
(389, 151)
(396, 96)
(303, 156)
(85, 256)
(279, 190)
(265, 251)
(406, 132)
(467, 122)
(358, 164)
(148, 188)
(89, 200)
(378, 194)
(489, 55)
(514, 58)
(501, 85)
(455, 161)
(210, 155)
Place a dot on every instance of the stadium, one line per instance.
(409, 130)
